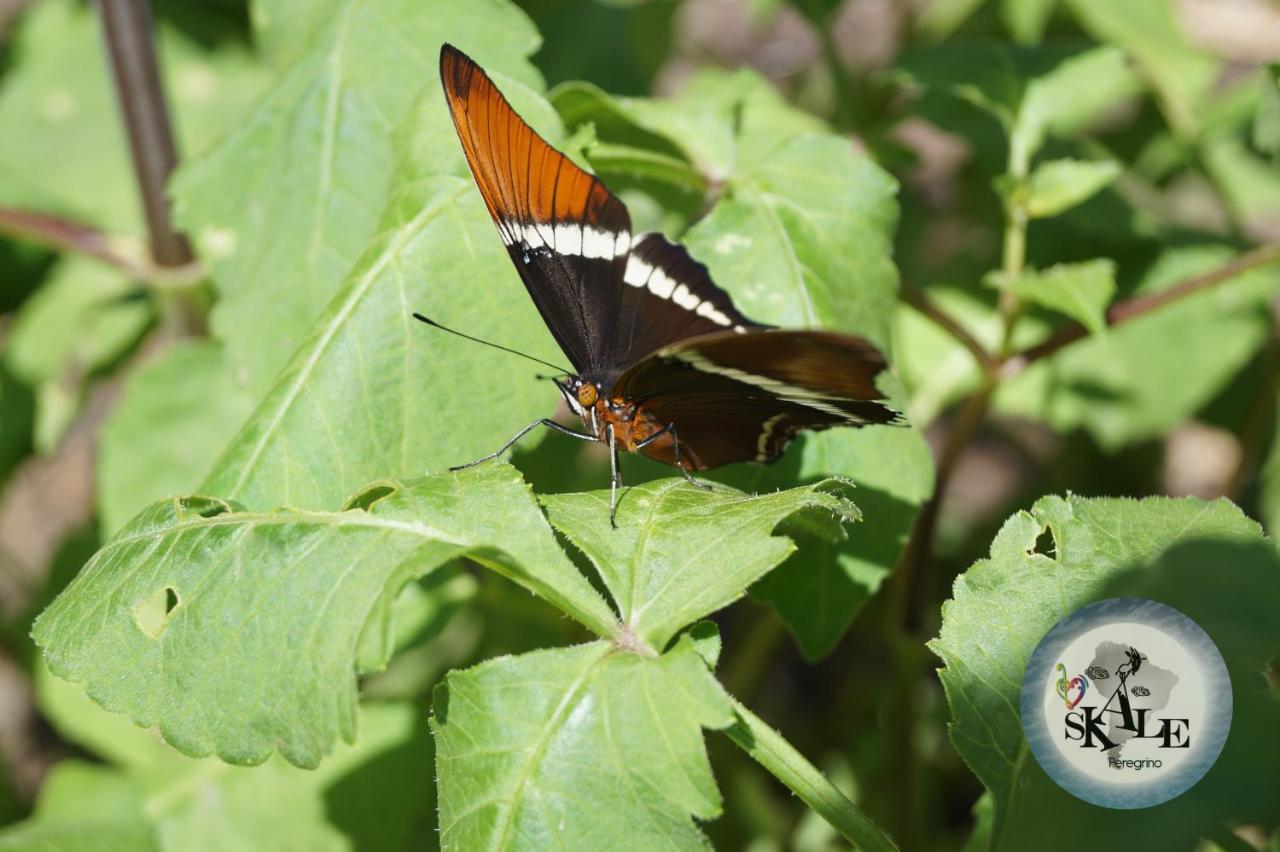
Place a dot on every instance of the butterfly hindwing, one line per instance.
(568, 236)
(744, 396)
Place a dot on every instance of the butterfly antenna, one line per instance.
(435, 324)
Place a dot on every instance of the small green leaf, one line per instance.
(187, 406)
(1059, 185)
(1081, 291)
(1174, 550)
(1266, 122)
(680, 553)
(1027, 19)
(1250, 184)
(590, 746)
(272, 614)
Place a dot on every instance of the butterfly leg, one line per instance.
(675, 443)
(615, 479)
(551, 424)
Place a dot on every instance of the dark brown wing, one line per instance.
(744, 396)
(568, 236)
(669, 297)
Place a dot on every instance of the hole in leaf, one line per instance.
(152, 613)
(1045, 544)
(205, 507)
(364, 499)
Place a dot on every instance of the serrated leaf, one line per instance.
(188, 406)
(314, 161)
(1059, 185)
(1081, 291)
(71, 157)
(680, 553)
(588, 746)
(371, 392)
(1182, 74)
(1206, 559)
(1145, 376)
(240, 633)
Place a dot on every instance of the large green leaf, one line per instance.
(589, 747)
(1207, 560)
(372, 393)
(314, 163)
(240, 633)
(680, 553)
(1147, 375)
(70, 156)
(187, 406)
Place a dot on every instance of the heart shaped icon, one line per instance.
(1077, 683)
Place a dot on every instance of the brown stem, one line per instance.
(65, 235)
(126, 25)
(919, 300)
(1130, 309)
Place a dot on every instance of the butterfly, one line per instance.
(663, 363)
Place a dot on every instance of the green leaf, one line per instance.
(71, 157)
(1027, 19)
(1149, 374)
(1073, 96)
(1059, 185)
(942, 17)
(271, 614)
(1182, 74)
(590, 746)
(1206, 559)
(371, 392)
(1081, 291)
(84, 317)
(1266, 122)
(314, 163)
(81, 319)
(680, 553)
(83, 807)
(186, 406)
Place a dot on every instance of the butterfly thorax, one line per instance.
(602, 413)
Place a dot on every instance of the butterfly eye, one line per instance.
(586, 395)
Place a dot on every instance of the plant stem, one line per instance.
(126, 25)
(919, 300)
(1131, 309)
(767, 747)
(76, 237)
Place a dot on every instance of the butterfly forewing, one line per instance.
(567, 235)
(669, 297)
(743, 397)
